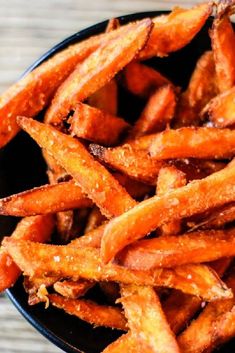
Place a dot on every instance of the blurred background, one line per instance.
(27, 30)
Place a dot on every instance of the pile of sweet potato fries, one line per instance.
(145, 212)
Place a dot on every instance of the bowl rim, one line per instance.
(74, 38)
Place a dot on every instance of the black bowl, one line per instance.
(22, 167)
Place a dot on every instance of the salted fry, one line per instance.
(95, 180)
(170, 178)
(135, 188)
(157, 113)
(73, 290)
(142, 80)
(95, 219)
(172, 32)
(45, 199)
(219, 218)
(223, 41)
(126, 342)
(95, 125)
(106, 98)
(193, 198)
(146, 319)
(38, 229)
(189, 142)
(99, 68)
(221, 109)
(201, 89)
(87, 310)
(135, 163)
(74, 262)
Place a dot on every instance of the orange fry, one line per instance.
(142, 80)
(201, 89)
(221, 109)
(125, 343)
(95, 125)
(190, 142)
(172, 32)
(74, 262)
(99, 68)
(71, 289)
(95, 219)
(157, 113)
(219, 218)
(38, 229)
(135, 163)
(106, 98)
(87, 310)
(223, 42)
(94, 179)
(170, 251)
(135, 188)
(45, 199)
(195, 197)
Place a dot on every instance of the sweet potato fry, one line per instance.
(135, 188)
(201, 89)
(170, 178)
(45, 199)
(106, 98)
(157, 113)
(204, 332)
(142, 80)
(219, 218)
(189, 142)
(135, 163)
(99, 68)
(38, 229)
(172, 32)
(112, 25)
(87, 310)
(170, 251)
(183, 202)
(71, 289)
(95, 219)
(221, 109)
(223, 41)
(95, 125)
(95, 180)
(146, 319)
(74, 262)
(125, 343)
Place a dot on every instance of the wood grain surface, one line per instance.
(27, 30)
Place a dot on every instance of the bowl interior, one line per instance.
(22, 167)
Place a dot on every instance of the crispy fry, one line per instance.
(95, 219)
(219, 218)
(142, 80)
(172, 32)
(125, 343)
(112, 25)
(146, 319)
(106, 98)
(87, 310)
(95, 125)
(221, 109)
(71, 289)
(205, 331)
(45, 199)
(135, 188)
(183, 202)
(223, 42)
(95, 180)
(190, 141)
(170, 178)
(135, 163)
(74, 262)
(99, 68)
(38, 229)
(157, 113)
(201, 89)
(171, 251)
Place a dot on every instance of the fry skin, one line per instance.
(95, 125)
(171, 251)
(172, 32)
(94, 179)
(146, 319)
(190, 141)
(156, 211)
(38, 229)
(74, 262)
(87, 310)
(45, 199)
(73, 290)
(157, 113)
(142, 80)
(98, 69)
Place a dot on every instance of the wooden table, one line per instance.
(27, 30)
